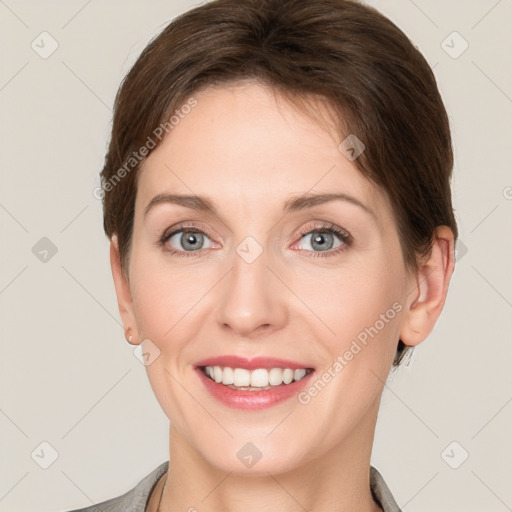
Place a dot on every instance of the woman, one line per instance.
(277, 196)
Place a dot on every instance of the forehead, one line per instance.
(239, 144)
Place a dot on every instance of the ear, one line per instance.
(124, 296)
(431, 287)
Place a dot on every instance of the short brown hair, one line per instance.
(380, 88)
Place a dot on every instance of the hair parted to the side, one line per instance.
(378, 85)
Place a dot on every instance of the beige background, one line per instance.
(68, 377)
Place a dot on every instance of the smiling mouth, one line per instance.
(260, 379)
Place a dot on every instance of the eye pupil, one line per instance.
(319, 239)
(191, 241)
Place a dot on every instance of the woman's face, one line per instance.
(262, 274)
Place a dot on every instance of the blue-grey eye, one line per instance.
(188, 240)
(321, 240)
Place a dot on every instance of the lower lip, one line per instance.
(245, 399)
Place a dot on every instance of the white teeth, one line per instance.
(287, 376)
(217, 374)
(275, 376)
(241, 377)
(259, 378)
(228, 376)
(298, 374)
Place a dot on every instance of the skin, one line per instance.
(249, 154)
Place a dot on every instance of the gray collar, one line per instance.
(136, 499)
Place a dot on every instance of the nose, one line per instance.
(253, 299)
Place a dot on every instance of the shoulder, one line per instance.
(134, 500)
(381, 492)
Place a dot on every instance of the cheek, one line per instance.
(163, 302)
(361, 306)
(162, 297)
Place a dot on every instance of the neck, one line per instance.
(337, 480)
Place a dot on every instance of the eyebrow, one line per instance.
(294, 204)
(305, 201)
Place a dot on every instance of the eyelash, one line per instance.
(321, 227)
(327, 227)
(186, 228)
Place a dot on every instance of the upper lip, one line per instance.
(253, 363)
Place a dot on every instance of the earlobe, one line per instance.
(430, 291)
(123, 293)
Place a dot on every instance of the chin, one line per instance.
(257, 457)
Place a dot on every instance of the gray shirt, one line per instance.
(136, 499)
